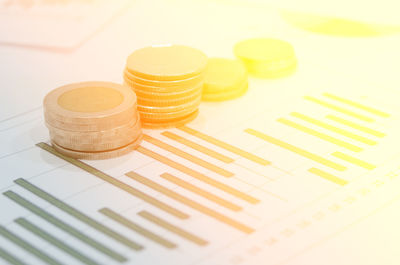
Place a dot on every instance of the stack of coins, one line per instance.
(168, 82)
(267, 58)
(93, 120)
(224, 79)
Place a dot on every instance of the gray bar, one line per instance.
(28, 247)
(63, 226)
(54, 241)
(77, 214)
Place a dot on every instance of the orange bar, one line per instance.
(187, 156)
(201, 192)
(225, 146)
(198, 147)
(197, 175)
(188, 202)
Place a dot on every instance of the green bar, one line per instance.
(63, 226)
(77, 214)
(54, 241)
(172, 228)
(10, 258)
(28, 247)
(137, 228)
(107, 178)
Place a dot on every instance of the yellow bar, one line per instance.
(353, 160)
(197, 175)
(225, 146)
(187, 156)
(190, 203)
(357, 105)
(296, 150)
(198, 147)
(334, 129)
(201, 192)
(320, 135)
(356, 126)
(172, 228)
(339, 109)
(328, 176)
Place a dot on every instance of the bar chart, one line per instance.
(188, 190)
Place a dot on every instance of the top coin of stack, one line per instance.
(93, 120)
(267, 58)
(168, 82)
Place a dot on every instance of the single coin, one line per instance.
(99, 155)
(63, 137)
(170, 124)
(226, 95)
(172, 97)
(169, 62)
(165, 117)
(89, 103)
(224, 75)
(91, 126)
(96, 147)
(178, 101)
(163, 86)
(149, 91)
(264, 49)
(170, 108)
(272, 70)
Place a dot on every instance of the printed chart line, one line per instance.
(77, 214)
(28, 247)
(355, 126)
(129, 189)
(188, 156)
(357, 105)
(55, 241)
(320, 135)
(173, 228)
(63, 226)
(188, 202)
(10, 258)
(137, 228)
(225, 146)
(334, 128)
(328, 176)
(198, 147)
(339, 109)
(203, 193)
(296, 150)
(353, 160)
(197, 175)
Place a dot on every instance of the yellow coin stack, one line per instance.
(267, 58)
(168, 82)
(224, 79)
(93, 120)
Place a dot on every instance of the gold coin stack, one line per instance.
(168, 82)
(93, 120)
